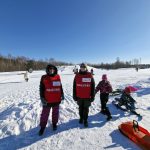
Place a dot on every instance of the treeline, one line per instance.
(115, 65)
(121, 64)
(21, 63)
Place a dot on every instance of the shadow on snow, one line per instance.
(119, 140)
(143, 91)
(30, 137)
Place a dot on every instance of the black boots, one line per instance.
(85, 124)
(41, 131)
(43, 128)
(103, 112)
(109, 118)
(54, 127)
(80, 121)
(107, 113)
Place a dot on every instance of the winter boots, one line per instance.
(80, 120)
(41, 131)
(109, 118)
(107, 113)
(54, 127)
(43, 128)
(85, 124)
(103, 112)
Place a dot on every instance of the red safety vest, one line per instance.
(52, 91)
(83, 85)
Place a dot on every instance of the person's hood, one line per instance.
(51, 66)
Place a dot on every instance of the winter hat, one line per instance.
(83, 65)
(104, 77)
(127, 90)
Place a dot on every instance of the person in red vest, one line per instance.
(105, 88)
(51, 94)
(83, 92)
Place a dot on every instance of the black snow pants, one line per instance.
(104, 99)
(84, 108)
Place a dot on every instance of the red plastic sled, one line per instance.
(136, 133)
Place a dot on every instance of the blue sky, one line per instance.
(76, 30)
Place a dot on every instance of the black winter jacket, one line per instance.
(42, 87)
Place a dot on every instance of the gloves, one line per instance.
(92, 99)
(95, 92)
(75, 99)
(44, 102)
(62, 97)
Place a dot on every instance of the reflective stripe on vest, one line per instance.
(83, 85)
(52, 89)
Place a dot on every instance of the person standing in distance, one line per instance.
(51, 94)
(83, 92)
(26, 77)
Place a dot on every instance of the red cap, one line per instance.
(127, 90)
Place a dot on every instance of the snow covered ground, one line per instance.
(20, 110)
